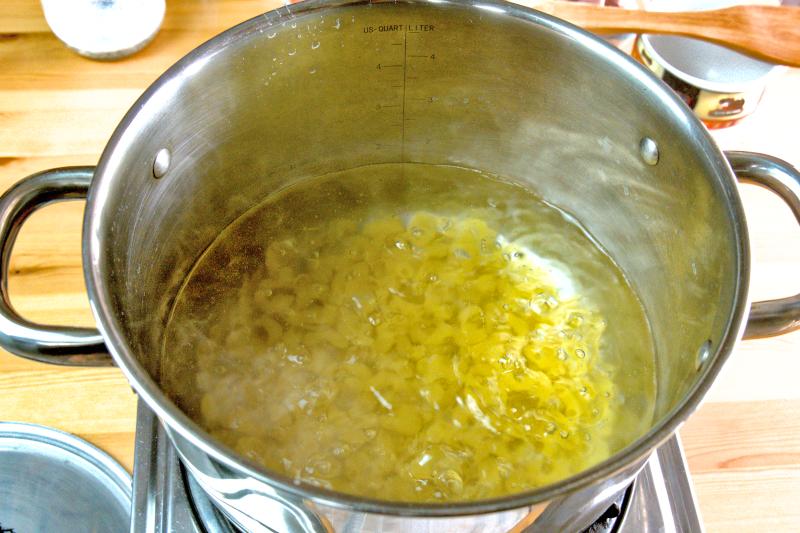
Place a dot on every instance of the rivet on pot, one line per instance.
(161, 163)
(703, 354)
(649, 151)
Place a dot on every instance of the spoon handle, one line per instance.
(769, 33)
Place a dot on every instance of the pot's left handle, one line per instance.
(62, 345)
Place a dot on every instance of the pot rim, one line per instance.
(101, 301)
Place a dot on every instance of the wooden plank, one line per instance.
(119, 445)
(60, 122)
(22, 16)
(13, 169)
(39, 60)
(91, 401)
(749, 502)
(26, 16)
(759, 370)
(746, 435)
(32, 56)
(46, 272)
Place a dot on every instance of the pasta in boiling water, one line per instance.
(404, 341)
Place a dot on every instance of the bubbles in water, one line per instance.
(580, 354)
(271, 35)
(312, 70)
(292, 51)
(374, 320)
(315, 45)
(564, 434)
(294, 24)
(562, 354)
(575, 320)
(338, 24)
(453, 480)
(296, 359)
(394, 291)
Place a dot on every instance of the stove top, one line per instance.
(167, 500)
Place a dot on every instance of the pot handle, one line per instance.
(61, 345)
(771, 317)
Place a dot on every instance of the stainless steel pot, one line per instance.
(326, 86)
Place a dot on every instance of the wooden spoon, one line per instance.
(768, 33)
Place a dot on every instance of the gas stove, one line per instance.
(167, 500)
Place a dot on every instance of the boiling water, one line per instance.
(411, 333)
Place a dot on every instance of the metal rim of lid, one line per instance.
(73, 445)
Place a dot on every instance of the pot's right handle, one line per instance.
(771, 317)
(61, 345)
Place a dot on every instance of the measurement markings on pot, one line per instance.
(394, 65)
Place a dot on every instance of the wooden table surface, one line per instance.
(57, 109)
